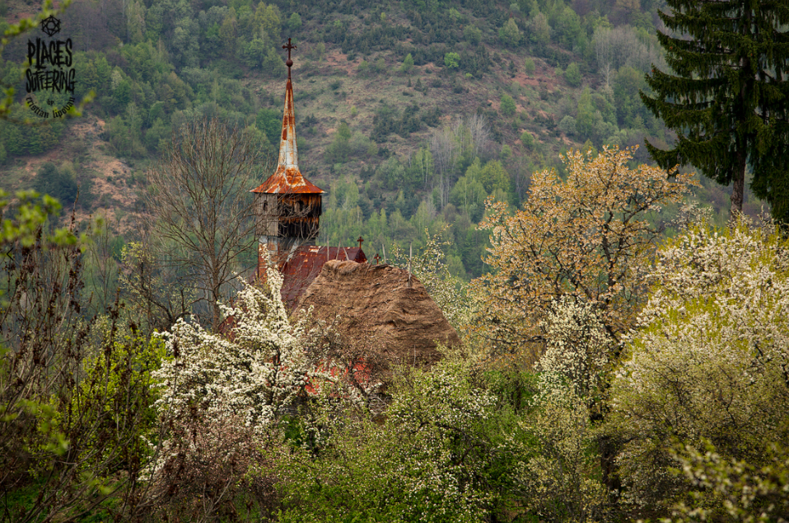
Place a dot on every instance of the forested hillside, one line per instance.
(410, 114)
(622, 344)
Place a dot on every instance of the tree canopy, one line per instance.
(726, 99)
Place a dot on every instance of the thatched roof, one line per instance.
(378, 304)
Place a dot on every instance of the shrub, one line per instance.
(472, 34)
(529, 66)
(408, 64)
(567, 125)
(508, 106)
(573, 75)
(57, 183)
(452, 60)
(510, 34)
(709, 360)
(426, 462)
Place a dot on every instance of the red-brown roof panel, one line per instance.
(305, 265)
(287, 180)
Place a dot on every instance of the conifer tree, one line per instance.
(727, 97)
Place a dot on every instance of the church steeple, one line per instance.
(287, 205)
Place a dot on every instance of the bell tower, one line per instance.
(287, 205)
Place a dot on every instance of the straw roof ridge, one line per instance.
(380, 303)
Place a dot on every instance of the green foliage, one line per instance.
(528, 65)
(508, 107)
(540, 29)
(527, 139)
(118, 391)
(294, 22)
(424, 462)
(627, 84)
(469, 193)
(339, 149)
(568, 125)
(590, 122)
(716, 101)
(557, 473)
(452, 60)
(272, 63)
(506, 153)
(57, 183)
(408, 64)
(566, 29)
(707, 361)
(270, 122)
(75, 402)
(573, 75)
(740, 490)
(473, 35)
(510, 34)
(32, 212)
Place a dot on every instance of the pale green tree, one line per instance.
(509, 33)
(408, 64)
(508, 106)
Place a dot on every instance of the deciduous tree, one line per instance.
(709, 360)
(585, 237)
(199, 199)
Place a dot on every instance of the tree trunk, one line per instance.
(738, 183)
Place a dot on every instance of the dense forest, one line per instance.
(624, 336)
(409, 115)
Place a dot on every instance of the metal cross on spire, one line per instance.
(289, 63)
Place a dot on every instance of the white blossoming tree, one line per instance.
(710, 360)
(223, 394)
(558, 474)
(577, 345)
(255, 370)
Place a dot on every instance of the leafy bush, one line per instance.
(573, 75)
(508, 106)
(452, 60)
(56, 183)
(424, 463)
(709, 359)
(510, 34)
(408, 64)
(472, 34)
(529, 66)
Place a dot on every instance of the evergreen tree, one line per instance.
(726, 100)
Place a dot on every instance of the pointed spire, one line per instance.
(288, 151)
(288, 178)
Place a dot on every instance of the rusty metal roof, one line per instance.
(287, 178)
(305, 265)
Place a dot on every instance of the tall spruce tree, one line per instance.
(728, 99)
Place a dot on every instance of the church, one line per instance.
(369, 303)
(288, 209)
